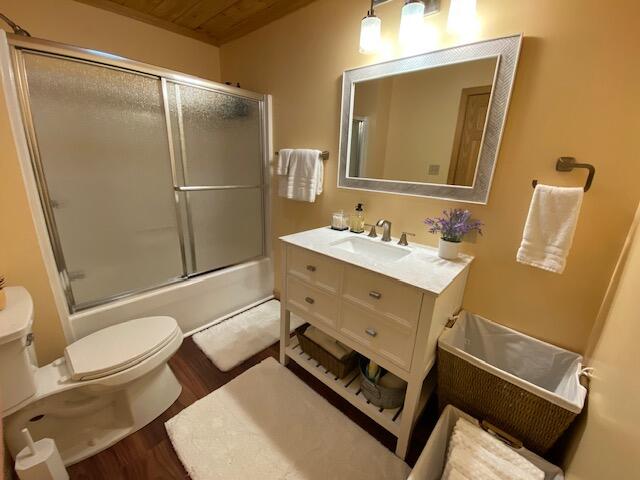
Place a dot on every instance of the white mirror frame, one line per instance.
(505, 49)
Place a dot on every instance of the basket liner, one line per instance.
(540, 368)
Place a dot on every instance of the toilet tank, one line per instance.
(17, 368)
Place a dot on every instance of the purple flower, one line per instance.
(453, 225)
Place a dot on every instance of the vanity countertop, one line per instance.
(419, 265)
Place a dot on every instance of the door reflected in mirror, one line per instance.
(424, 126)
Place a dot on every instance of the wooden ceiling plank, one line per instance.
(171, 9)
(145, 6)
(237, 13)
(202, 12)
(247, 25)
(151, 20)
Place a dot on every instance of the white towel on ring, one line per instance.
(304, 178)
(551, 224)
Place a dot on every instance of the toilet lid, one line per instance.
(118, 347)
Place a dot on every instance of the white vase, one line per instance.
(448, 250)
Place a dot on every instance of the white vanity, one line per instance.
(386, 301)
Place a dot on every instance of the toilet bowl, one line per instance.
(106, 386)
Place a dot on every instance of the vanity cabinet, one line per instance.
(376, 309)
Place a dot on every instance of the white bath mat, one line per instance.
(231, 342)
(268, 424)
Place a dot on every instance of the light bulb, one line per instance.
(370, 38)
(462, 17)
(411, 22)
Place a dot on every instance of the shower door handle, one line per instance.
(199, 188)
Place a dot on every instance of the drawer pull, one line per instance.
(374, 294)
(309, 300)
(311, 268)
(371, 332)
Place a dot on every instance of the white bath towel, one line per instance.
(305, 176)
(476, 455)
(282, 164)
(551, 224)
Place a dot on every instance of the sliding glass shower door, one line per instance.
(219, 178)
(104, 160)
(143, 181)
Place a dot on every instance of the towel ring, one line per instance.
(567, 164)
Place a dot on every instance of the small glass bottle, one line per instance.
(357, 220)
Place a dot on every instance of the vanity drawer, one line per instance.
(312, 303)
(315, 269)
(383, 295)
(383, 336)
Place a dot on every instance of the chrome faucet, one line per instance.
(386, 232)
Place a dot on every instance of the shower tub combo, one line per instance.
(148, 187)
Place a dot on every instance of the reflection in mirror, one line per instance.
(424, 126)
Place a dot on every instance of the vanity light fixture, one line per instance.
(370, 39)
(462, 17)
(411, 21)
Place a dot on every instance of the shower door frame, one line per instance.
(17, 44)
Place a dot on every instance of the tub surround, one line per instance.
(387, 302)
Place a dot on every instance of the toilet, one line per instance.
(106, 386)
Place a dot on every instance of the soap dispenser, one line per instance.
(357, 220)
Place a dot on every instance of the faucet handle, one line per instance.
(373, 233)
(403, 238)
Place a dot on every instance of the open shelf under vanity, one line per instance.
(349, 389)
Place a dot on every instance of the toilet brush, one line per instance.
(39, 460)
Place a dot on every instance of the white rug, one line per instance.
(268, 424)
(231, 342)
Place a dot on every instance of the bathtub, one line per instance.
(196, 303)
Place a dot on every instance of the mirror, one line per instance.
(430, 124)
(431, 119)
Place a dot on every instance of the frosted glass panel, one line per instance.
(222, 139)
(227, 226)
(102, 139)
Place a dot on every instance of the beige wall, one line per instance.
(576, 93)
(606, 444)
(70, 22)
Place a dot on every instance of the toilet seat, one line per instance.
(116, 348)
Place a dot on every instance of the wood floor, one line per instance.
(148, 454)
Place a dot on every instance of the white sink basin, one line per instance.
(374, 249)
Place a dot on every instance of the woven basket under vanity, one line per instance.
(339, 367)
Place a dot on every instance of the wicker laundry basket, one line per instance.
(526, 387)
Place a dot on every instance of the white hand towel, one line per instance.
(305, 176)
(551, 224)
(282, 165)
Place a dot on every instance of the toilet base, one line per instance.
(85, 421)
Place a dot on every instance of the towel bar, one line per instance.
(567, 164)
(323, 155)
